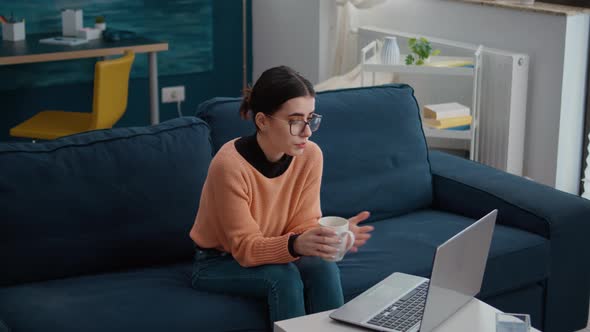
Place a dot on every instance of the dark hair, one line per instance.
(274, 87)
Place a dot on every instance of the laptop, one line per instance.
(407, 303)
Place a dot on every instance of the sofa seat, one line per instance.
(408, 243)
(153, 299)
(162, 298)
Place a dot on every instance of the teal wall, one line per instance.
(225, 79)
(187, 25)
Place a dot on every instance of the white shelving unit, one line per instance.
(462, 139)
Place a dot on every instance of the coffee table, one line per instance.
(474, 316)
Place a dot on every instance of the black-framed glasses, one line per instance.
(297, 127)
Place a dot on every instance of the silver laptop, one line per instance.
(403, 302)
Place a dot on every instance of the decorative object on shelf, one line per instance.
(112, 35)
(89, 33)
(390, 54)
(421, 49)
(13, 30)
(100, 23)
(71, 22)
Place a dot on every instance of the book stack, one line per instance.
(451, 63)
(451, 116)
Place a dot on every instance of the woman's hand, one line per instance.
(317, 241)
(361, 234)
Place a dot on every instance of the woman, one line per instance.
(256, 231)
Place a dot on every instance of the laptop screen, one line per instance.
(457, 271)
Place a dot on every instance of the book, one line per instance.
(448, 123)
(451, 63)
(69, 41)
(444, 111)
(465, 127)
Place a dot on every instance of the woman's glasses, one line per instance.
(297, 127)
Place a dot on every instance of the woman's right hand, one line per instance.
(317, 241)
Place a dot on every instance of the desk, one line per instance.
(31, 51)
(474, 316)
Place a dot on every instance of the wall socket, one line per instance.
(173, 94)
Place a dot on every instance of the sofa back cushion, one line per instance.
(100, 201)
(375, 154)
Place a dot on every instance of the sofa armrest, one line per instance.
(472, 189)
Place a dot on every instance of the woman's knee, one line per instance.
(314, 266)
(285, 276)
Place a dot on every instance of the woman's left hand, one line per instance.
(361, 234)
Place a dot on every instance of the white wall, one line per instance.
(327, 41)
(543, 38)
(573, 105)
(296, 33)
(288, 31)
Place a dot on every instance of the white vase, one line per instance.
(390, 54)
(100, 26)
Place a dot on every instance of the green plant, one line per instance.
(422, 50)
(99, 19)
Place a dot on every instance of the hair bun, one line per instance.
(245, 108)
(247, 94)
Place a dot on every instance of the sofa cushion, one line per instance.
(101, 200)
(161, 298)
(153, 299)
(408, 243)
(378, 162)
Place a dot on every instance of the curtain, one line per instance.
(345, 54)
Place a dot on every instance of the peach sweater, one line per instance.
(251, 216)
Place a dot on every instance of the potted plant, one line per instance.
(100, 23)
(421, 51)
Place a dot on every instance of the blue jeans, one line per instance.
(307, 285)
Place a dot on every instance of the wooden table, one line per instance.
(31, 51)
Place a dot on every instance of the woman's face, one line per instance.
(281, 133)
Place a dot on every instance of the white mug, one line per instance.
(340, 226)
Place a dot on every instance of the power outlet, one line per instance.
(173, 94)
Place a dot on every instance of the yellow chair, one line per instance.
(111, 86)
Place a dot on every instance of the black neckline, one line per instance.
(249, 148)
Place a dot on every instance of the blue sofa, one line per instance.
(94, 227)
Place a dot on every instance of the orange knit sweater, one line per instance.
(251, 216)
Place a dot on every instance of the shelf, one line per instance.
(438, 65)
(373, 65)
(537, 7)
(445, 133)
(447, 144)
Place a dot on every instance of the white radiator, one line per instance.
(499, 137)
(502, 115)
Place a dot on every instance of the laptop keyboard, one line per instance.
(405, 312)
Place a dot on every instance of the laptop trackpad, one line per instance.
(377, 297)
(384, 293)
